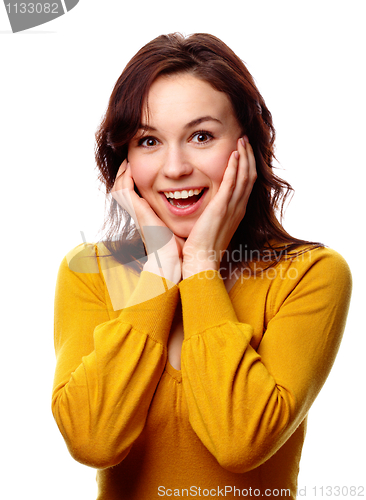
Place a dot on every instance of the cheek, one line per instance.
(215, 165)
(141, 173)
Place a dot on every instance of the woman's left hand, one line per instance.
(215, 228)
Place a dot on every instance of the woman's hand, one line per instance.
(164, 251)
(215, 228)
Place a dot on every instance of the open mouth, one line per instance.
(184, 198)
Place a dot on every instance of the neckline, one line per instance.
(177, 374)
(173, 372)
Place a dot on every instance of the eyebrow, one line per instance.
(192, 123)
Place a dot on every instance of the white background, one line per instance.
(308, 61)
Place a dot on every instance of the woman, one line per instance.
(190, 371)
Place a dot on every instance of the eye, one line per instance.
(148, 142)
(202, 137)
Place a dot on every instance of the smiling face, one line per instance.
(179, 155)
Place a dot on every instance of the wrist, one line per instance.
(160, 266)
(191, 268)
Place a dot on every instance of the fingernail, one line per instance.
(236, 154)
(242, 141)
(246, 139)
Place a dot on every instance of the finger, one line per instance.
(228, 182)
(243, 168)
(123, 189)
(124, 178)
(124, 193)
(223, 197)
(246, 174)
(246, 170)
(120, 171)
(237, 197)
(122, 168)
(127, 181)
(251, 159)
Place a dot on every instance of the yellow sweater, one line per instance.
(233, 420)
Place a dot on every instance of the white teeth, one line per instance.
(182, 194)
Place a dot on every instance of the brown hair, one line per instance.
(209, 59)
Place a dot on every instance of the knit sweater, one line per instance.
(233, 419)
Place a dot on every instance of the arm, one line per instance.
(107, 370)
(244, 404)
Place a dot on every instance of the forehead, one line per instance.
(182, 97)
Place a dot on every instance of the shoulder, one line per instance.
(322, 263)
(290, 268)
(79, 272)
(90, 258)
(316, 275)
(82, 259)
(90, 269)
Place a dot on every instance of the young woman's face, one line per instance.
(179, 155)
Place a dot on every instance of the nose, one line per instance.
(176, 164)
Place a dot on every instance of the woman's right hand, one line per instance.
(163, 249)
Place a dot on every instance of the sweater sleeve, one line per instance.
(244, 403)
(107, 370)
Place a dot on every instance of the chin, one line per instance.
(182, 235)
(183, 231)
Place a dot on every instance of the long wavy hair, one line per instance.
(209, 59)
